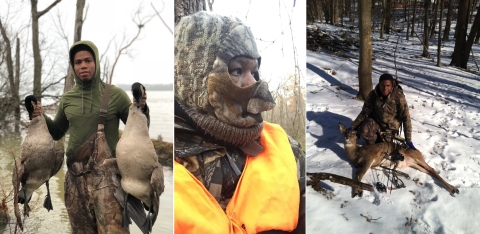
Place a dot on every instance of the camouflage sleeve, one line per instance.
(404, 117)
(299, 154)
(366, 110)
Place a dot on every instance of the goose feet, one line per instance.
(48, 201)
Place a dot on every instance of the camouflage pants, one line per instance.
(370, 131)
(91, 205)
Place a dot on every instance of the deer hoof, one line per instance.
(358, 192)
(455, 190)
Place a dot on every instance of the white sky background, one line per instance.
(152, 53)
(269, 22)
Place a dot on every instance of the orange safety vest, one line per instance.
(267, 196)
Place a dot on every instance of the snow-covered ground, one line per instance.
(445, 111)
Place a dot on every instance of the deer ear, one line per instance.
(341, 127)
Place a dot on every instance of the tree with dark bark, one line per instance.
(13, 99)
(439, 49)
(37, 58)
(365, 64)
(425, 30)
(460, 42)
(413, 18)
(471, 37)
(77, 36)
(408, 19)
(434, 21)
(388, 16)
(448, 22)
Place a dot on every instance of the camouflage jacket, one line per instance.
(388, 112)
(217, 165)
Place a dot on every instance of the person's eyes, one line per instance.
(235, 72)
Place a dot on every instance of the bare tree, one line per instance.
(365, 64)
(12, 99)
(434, 21)
(439, 49)
(471, 36)
(188, 7)
(425, 30)
(388, 16)
(448, 22)
(414, 17)
(37, 59)
(140, 21)
(77, 36)
(384, 18)
(408, 6)
(460, 42)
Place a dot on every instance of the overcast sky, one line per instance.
(152, 53)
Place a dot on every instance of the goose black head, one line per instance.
(30, 104)
(138, 91)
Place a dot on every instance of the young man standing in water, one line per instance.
(89, 188)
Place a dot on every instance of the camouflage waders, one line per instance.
(89, 187)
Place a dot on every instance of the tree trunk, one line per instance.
(462, 23)
(413, 18)
(449, 21)
(16, 89)
(365, 64)
(425, 30)
(408, 6)
(471, 37)
(388, 16)
(334, 12)
(477, 38)
(439, 49)
(13, 99)
(434, 22)
(472, 9)
(187, 7)
(382, 28)
(77, 36)
(37, 58)
(348, 9)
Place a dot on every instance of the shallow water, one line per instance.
(56, 221)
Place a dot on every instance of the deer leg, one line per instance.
(422, 166)
(359, 175)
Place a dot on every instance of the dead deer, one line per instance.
(370, 156)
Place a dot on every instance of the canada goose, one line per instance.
(137, 161)
(39, 159)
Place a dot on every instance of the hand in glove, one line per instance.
(410, 145)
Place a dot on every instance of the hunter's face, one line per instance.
(243, 71)
(386, 87)
(84, 65)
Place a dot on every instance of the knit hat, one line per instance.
(204, 45)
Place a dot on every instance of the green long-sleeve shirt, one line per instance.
(79, 109)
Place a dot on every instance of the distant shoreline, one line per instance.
(148, 87)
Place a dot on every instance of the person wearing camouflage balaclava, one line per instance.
(232, 170)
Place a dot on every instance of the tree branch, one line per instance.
(40, 13)
(169, 29)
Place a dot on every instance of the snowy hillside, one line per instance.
(445, 111)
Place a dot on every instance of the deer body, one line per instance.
(368, 156)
